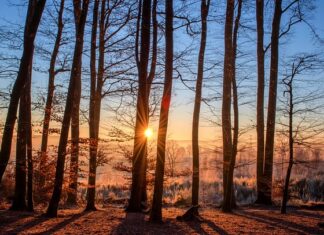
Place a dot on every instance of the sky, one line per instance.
(182, 102)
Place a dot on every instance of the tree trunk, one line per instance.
(29, 144)
(269, 147)
(226, 107)
(95, 100)
(49, 99)
(34, 14)
(197, 104)
(156, 213)
(235, 97)
(140, 150)
(75, 74)
(148, 90)
(291, 149)
(260, 101)
(19, 202)
(75, 136)
(93, 79)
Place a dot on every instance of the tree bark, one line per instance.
(75, 74)
(29, 145)
(95, 101)
(285, 195)
(19, 202)
(226, 106)
(156, 212)
(49, 98)
(235, 98)
(34, 14)
(196, 113)
(140, 150)
(271, 120)
(75, 128)
(260, 101)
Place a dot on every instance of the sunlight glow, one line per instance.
(148, 133)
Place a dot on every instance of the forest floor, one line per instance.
(114, 220)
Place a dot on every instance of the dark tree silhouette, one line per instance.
(19, 202)
(272, 104)
(260, 98)
(235, 97)
(196, 113)
(81, 15)
(50, 95)
(95, 98)
(34, 14)
(140, 149)
(156, 212)
(226, 106)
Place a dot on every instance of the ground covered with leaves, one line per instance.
(114, 220)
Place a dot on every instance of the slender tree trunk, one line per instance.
(75, 129)
(24, 123)
(235, 97)
(34, 14)
(156, 213)
(19, 202)
(93, 79)
(197, 104)
(291, 151)
(23, 150)
(140, 149)
(226, 107)
(29, 145)
(49, 99)
(75, 136)
(148, 89)
(95, 102)
(75, 74)
(260, 101)
(272, 103)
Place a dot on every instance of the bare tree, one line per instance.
(156, 212)
(193, 211)
(52, 72)
(140, 149)
(80, 16)
(260, 96)
(34, 14)
(299, 132)
(226, 105)
(19, 202)
(95, 97)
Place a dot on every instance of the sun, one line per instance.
(148, 133)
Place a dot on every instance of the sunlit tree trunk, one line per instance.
(140, 149)
(195, 123)
(226, 106)
(49, 98)
(34, 14)
(272, 103)
(80, 14)
(156, 212)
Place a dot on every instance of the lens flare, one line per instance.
(148, 133)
